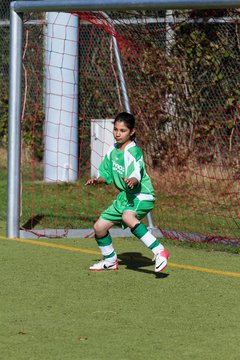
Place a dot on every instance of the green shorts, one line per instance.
(123, 203)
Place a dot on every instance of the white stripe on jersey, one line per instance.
(144, 197)
(128, 159)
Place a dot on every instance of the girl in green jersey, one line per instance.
(123, 165)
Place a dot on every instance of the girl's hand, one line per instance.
(130, 182)
(94, 181)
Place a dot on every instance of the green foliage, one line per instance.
(33, 134)
(188, 95)
(4, 65)
(3, 118)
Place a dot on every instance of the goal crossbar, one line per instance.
(97, 5)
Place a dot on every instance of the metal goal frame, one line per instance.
(17, 9)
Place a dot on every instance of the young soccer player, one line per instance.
(123, 165)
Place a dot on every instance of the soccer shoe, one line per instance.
(104, 265)
(161, 260)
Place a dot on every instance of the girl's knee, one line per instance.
(125, 217)
(101, 227)
(97, 227)
(130, 218)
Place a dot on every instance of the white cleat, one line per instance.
(161, 260)
(104, 265)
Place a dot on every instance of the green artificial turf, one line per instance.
(3, 205)
(53, 307)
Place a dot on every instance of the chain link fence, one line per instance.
(4, 68)
(4, 39)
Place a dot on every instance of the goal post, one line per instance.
(61, 115)
(14, 131)
(188, 131)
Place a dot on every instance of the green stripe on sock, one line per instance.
(154, 244)
(140, 231)
(109, 256)
(104, 241)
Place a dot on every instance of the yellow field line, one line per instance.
(56, 246)
(211, 271)
(87, 251)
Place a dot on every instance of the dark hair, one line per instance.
(128, 120)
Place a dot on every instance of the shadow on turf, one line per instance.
(136, 261)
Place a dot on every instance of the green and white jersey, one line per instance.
(127, 163)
